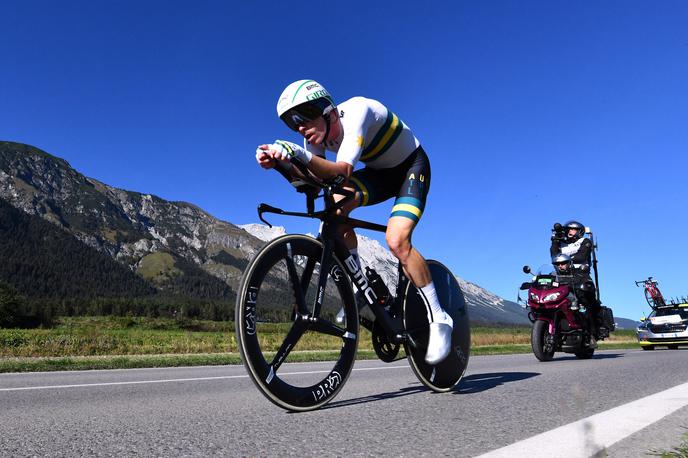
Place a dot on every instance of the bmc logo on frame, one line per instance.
(360, 279)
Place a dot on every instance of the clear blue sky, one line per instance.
(531, 112)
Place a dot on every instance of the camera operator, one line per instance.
(568, 240)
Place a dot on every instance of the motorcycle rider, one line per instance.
(568, 239)
(571, 251)
(363, 129)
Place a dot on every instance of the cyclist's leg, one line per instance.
(398, 236)
(409, 183)
(406, 213)
(411, 193)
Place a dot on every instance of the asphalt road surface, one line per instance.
(382, 410)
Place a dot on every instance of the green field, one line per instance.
(118, 342)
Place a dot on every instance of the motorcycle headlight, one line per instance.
(534, 297)
(551, 297)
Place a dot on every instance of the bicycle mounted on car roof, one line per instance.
(653, 296)
(296, 284)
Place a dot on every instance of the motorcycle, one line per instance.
(560, 321)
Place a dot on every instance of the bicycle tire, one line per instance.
(262, 309)
(654, 298)
(448, 373)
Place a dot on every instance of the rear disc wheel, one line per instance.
(447, 373)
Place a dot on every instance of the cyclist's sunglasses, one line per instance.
(306, 112)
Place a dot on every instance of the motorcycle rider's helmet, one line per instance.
(579, 228)
(303, 101)
(562, 263)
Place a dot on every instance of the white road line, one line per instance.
(143, 382)
(594, 434)
(141, 369)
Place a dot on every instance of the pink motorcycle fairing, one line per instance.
(538, 304)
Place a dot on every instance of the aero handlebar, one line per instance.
(311, 185)
(643, 282)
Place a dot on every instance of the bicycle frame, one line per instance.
(330, 221)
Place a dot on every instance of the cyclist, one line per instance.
(569, 241)
(362, 129)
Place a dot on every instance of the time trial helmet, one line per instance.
(303, 101)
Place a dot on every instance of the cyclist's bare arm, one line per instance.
(321, 167)
(325, 169)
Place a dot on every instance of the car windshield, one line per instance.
(668, 312)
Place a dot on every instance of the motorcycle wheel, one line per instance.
(537, 339)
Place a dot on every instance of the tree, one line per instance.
(12, 308)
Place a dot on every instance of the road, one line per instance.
(382, 410)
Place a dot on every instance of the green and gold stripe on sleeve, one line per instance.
(384, 138)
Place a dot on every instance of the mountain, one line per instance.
(484, 307)
(31, 248)
(625, 323)
(175, 247)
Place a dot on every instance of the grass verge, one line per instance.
(130, 342)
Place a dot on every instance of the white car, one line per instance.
(666, 326)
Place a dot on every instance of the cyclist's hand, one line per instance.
(265, 157)
(288, 150)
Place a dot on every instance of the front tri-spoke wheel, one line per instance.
(278, 321)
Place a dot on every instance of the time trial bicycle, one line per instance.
(290, 295)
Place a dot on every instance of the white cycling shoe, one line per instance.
(440, 342)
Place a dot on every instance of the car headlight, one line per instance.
(551, 297)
